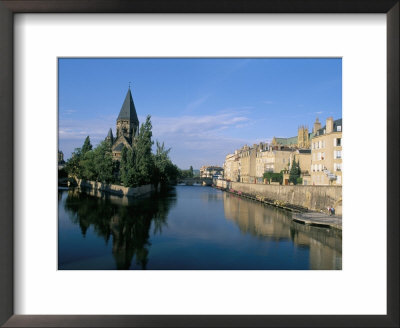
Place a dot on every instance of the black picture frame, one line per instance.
(7, 198)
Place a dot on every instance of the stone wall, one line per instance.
(314, 198)
(116, 189)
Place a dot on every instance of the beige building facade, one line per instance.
(319, 154)
(326, 154)
(247, 164)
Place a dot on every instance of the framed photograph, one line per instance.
(241, 108)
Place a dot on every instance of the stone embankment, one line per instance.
(113, 189)
(318, 219)
(299, 199)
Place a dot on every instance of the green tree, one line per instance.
(103, 162)
(87, 166)
(73, 164)
(128, 173)
(87, 146)
(191, 171)
(273, 177)
(76, 165)
(164, 171)
(144, 164)
(294, 172)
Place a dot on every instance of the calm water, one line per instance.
(190, 228)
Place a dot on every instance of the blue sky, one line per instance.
(201, 108)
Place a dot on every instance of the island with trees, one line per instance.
(137, 166)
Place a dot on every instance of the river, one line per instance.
(187, 228)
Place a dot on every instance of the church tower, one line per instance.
(302, 137)
(127, 127)
(317, 126)
(110, 136)
(127, 121)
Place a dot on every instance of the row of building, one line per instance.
(319, 154)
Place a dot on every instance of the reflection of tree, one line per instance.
(128, 225)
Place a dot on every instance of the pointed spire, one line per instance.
(110, 136)
(128, 110)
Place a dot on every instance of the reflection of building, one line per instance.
(326, 154)
(325, 246)
(210, 171)
(127, 127)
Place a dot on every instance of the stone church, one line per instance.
(127, 127)
(301, 141)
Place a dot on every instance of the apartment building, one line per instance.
(326, 154)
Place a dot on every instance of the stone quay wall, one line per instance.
(314, 198)
(115, 189)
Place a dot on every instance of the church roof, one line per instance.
(119, 147)
(286, 141)
(128, 110)
(110, 135)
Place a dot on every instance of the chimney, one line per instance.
(329, 125)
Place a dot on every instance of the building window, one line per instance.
(338, 167)
(323, 156)
(320, 167)
(319, 156)
(338, 142)
(339, 128)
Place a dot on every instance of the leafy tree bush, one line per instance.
(103, 163)
(144, 164)
(138, 166)
(165, 171)
(273, 177)
(87, 146)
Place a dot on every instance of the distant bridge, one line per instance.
(196, 180)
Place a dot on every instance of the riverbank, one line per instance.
(319, 220)
(297, 198)
(301, 213)
(113, 189)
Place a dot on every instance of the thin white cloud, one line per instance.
(195, 140)
(68, 111)
(196, 124)
(196, 103)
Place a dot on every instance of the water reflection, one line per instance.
(187, 228)
(124, 220)
(325, 245)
